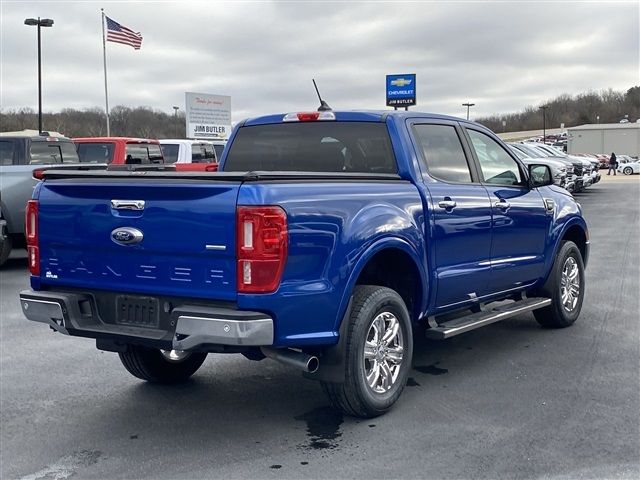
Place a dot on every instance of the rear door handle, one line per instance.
(447, 204)
(502, 204)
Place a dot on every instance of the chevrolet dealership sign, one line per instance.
(401, 90)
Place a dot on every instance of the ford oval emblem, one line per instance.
(126, 236)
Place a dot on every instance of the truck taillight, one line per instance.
(262, 243)
(31, 232)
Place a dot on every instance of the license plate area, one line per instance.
(137, 311)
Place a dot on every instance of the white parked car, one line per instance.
(188, 151)
(629, 168)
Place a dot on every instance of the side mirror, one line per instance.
(540, 175)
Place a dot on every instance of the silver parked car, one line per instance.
(20, 154)
(562, 171)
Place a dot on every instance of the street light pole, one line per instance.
(45, 22)
(175, 115)
(468, 105)
(544, 123)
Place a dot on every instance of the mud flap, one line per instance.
(332, 367)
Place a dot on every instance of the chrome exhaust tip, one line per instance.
(293, 358)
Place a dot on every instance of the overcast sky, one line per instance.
(502, 56)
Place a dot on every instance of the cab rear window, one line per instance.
(170, 152)
(362, 147)
(202, 153)
(98, 152)
(7, 150)
(139, 153)
(47, 153)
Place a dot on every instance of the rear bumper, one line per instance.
(191, 327)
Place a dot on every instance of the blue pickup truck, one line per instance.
(326, 242)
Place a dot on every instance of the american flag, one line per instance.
(120, 34)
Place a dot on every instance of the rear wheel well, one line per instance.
(395, 269)
(577, 235)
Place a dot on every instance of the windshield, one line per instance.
(539, 152)
(519, 153)
(362, 147)
(532, 152)
(553, 151)
(98, 152)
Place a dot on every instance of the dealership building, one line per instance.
(621, 138)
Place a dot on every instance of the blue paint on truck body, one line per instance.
(334, 228)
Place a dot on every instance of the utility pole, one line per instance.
(175, 121)
(45, 22)
(468, 105)
(544, 123)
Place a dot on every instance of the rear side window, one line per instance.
(7, 151)
(139, 153)
(219, 149)
(46, 153)
(170, 152)
(95, 152)
(362, 147)
(443, 153)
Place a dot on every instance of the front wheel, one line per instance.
(627, 170)
(379, 349)
(161, 366)
(565, 287)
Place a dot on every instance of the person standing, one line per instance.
(613, 164)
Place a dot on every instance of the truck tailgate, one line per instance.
(187, 246)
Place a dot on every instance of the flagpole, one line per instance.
(104, 59)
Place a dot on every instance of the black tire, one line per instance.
(355, 397)
(5, 249)
(151, 365)
(627, 170)
(556, 315)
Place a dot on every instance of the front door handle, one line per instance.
(502, 204)
(447, 204)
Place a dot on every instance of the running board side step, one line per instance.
(480, 319)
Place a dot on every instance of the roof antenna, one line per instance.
(324, 107)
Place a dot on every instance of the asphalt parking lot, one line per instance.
(511, 400)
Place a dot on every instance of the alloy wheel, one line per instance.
(570, 284)
(383, 352)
